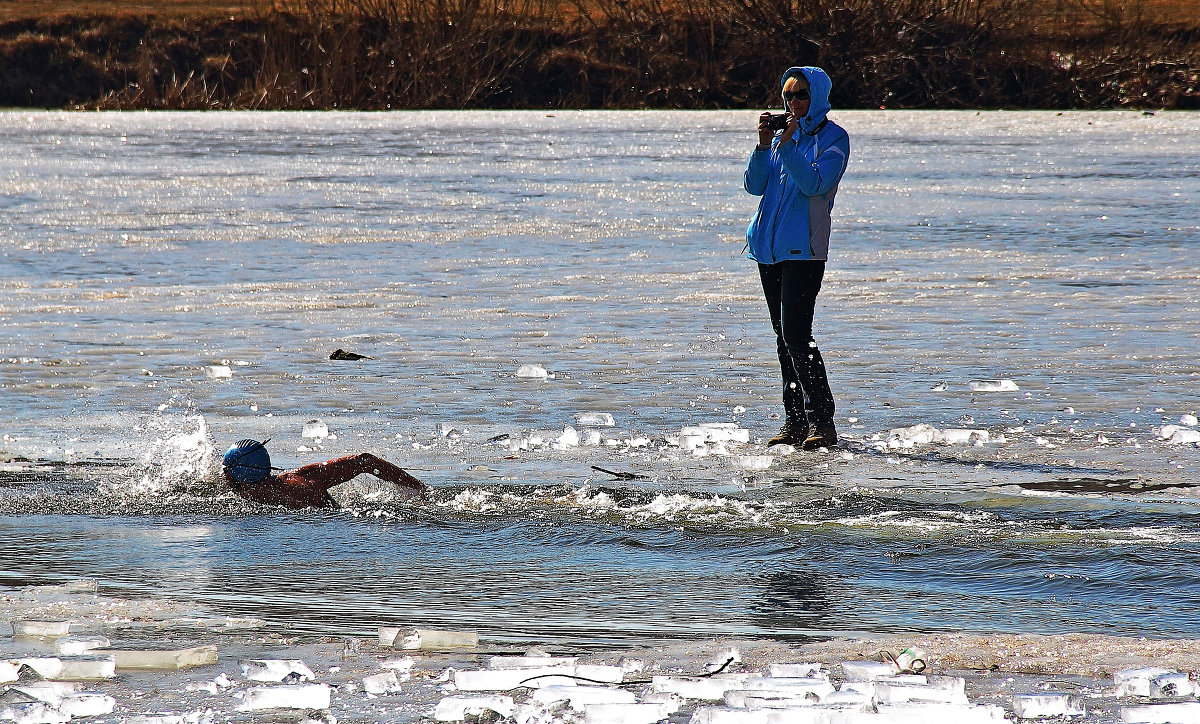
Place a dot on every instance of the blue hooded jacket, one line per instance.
(797, 182)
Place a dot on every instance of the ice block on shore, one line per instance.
(87, 703)
(625, 713)
(993, 386)
(723, 715)
(75, 645)
(1184, 712)
(798, 671)
(32, 713)
(41, 629)
(866, 670)
(426, 639)
(379, 684)
(86, 668)
(1050, 704)
(578, 697)
(710, 688)
(276, 670)
(163, 659)
(1176, 683)
(528, 662)
(1136, 682)
(507, 679)
(458, 708)
(9, 671)
(288, 696)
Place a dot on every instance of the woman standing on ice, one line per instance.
(796, 172)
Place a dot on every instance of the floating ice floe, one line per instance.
(287, 696)
(1049, 704)
(218, 372)
(1189, 420)
(315, 430)
(533, 372)
(993, 386)
(595, 419)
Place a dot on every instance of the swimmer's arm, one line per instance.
(335, 472)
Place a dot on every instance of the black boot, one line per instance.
(823, 435)
(793, 432)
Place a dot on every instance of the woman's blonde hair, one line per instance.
(792, 84)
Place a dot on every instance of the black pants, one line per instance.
(791, 289)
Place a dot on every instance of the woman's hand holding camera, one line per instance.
(769, 122)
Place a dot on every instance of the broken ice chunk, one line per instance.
(426, 639)
(47, 629)
(568, 439)
(754, 462)
(1176, 683)
(458, 708)
(535, 372)
(866, 670)
(799, 671)
(315, 430)
(9, 671)
(579, 696)
(73, 645)
(82, 668)
(275, 670)
(1189, 420)
(506, 679)
(691, 687)
(1185, 712)
(595, 419)
(164, 659)
(1036, 706)
(288, 696)
(1136, 682)
(993, 386)
(218, 372)
(87, 703)
(528, 662)
(32, 713)
(625, 713)
(385, 683)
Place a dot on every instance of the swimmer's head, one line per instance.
(246, 462)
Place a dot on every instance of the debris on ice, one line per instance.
(993, 386)
(595, 419)
(315, 430)
(535, 372)
(722, 660)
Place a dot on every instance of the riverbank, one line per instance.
(627, 54)
(358, 679)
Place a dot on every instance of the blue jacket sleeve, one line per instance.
(757, 172)
(818, 176)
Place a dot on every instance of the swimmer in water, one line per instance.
(247, 469)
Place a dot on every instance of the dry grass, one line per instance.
(378, 54)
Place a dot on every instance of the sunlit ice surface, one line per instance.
(1009, 320)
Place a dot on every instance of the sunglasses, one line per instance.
(796, 95)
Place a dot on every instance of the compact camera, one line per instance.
(777, 121)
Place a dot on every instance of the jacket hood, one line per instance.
(819, 86)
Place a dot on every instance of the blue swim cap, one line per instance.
(247, 461)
